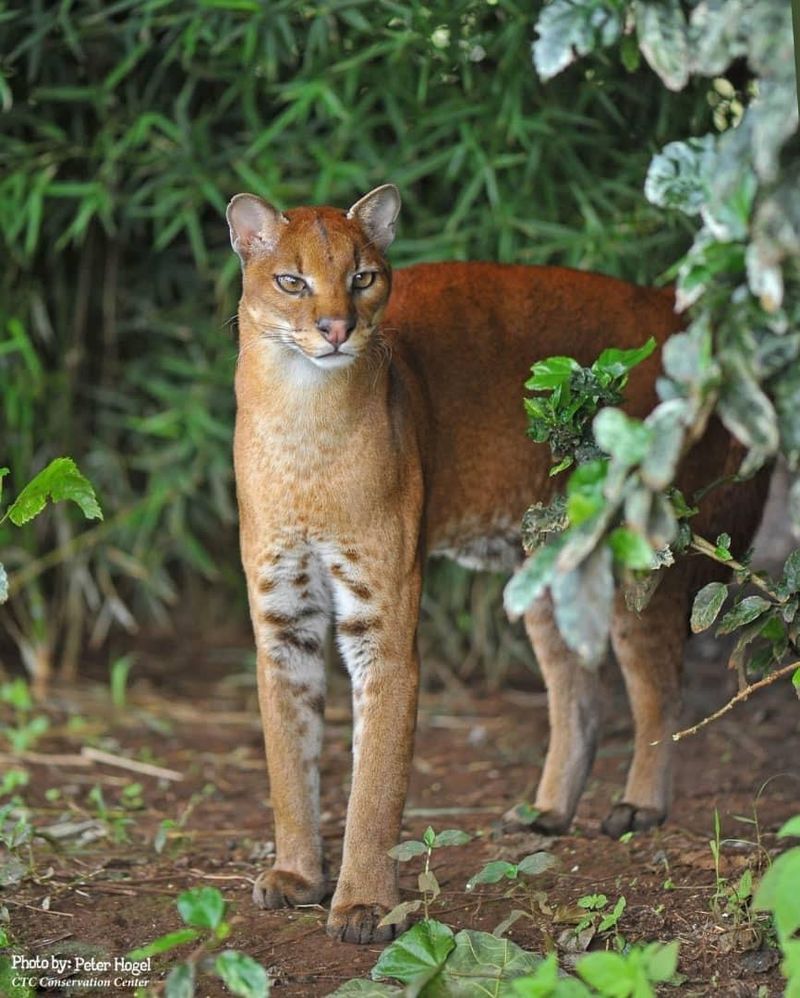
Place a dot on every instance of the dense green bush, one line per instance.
(128, 125)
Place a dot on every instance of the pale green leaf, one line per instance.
(60, 480)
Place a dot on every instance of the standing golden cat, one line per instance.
(374, 431)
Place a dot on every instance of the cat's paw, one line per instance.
(284, 889)
(624, 818)
(358, 923)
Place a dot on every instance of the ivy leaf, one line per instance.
(717, 36)
(630, 549)
(568, 30)
(625, 439)
(418, 953)
(679, 176)
(583, 600)
(667, 424)
(744, 408)
(663, 39)
(707, 604)
(791, 572)
(61, 479)
(242, 974)
(481, 964)
(743, 613)
(531, 580)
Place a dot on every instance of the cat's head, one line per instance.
(315, 280)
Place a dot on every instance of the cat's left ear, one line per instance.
(377, 212)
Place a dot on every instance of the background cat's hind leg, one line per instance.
(649, 648)
(573, 704)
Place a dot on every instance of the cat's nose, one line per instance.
(336, 331)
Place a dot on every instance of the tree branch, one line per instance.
(741, 695)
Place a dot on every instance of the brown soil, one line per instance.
(476, 755)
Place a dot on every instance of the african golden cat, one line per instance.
(372, 431)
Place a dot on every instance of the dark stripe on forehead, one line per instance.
(323, 231)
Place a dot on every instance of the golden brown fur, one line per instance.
(370, 435)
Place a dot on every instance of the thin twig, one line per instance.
(123, 762)
(741, 695)
(709, 550)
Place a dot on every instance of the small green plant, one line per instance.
(116, 820)
(431, 960)
(778, 893)
(118, 679)
(612, 975)
(202, 911)
(427, 882)
(499, 869)
(25, 730)
(599, 918)
(16, 836)
(11, 986)
(170, 831)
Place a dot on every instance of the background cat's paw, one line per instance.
(358, 923)
(544, 822)
(284, 889)
(628, 818)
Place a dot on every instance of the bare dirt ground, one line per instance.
(475, 756)
(99, 886)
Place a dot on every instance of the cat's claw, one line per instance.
(358, 923)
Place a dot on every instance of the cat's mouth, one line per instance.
(333, 358)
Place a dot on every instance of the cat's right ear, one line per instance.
(255, 225)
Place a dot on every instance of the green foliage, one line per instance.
(426, 882)
(530, 866)
(126, 130)
(203, 910)
(736, 357)
(768, 624)
(433, 962)
(576, 394)
(779, 893)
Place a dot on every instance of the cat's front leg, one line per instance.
(376, 630)
(290, 607)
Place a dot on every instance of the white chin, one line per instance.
(331, 361)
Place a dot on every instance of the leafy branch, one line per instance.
(60, 480)
(736, 359)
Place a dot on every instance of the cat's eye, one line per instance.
(363, 279)
(290, 284)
